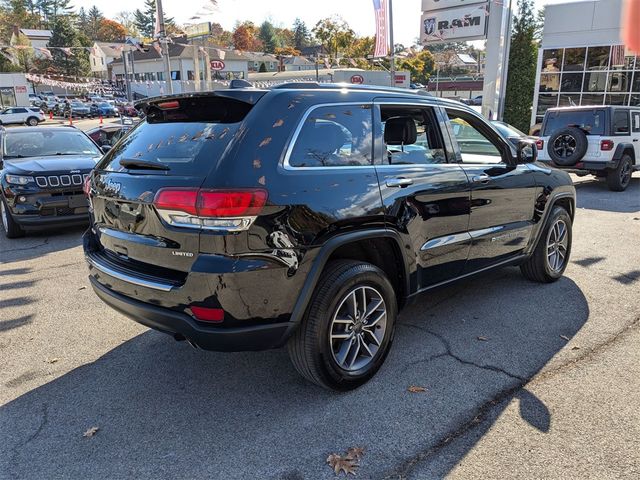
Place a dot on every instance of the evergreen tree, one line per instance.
(521, 77)
(300, 34)
(145, 20)
(63, 34)
(94, 18)
(267, 36)
(83, 20)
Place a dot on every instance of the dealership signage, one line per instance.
(430, 5)
(198, 30)
(217, 65)
(458, 24)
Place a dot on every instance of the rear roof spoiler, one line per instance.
(246, 95)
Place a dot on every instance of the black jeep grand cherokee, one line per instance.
(309, 215)
(42, 171)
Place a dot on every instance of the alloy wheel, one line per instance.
(564, 146)
(625, 174)
(358, 328)
(557, 246)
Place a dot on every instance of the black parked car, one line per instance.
(76, 109)
(41, 176)
(309, 215)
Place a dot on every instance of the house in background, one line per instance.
(297, 64)
(37, 39)
(256, 59)
(101, 56)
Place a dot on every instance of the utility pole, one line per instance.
(196, 67)
(126, 75)
(164, 43)
(393, 50)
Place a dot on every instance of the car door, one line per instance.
(425, 196)
(9, 116)
(502, 192)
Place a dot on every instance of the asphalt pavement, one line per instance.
(522, 380)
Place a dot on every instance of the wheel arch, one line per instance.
(363, 245)
(625, 148)
(564, 199)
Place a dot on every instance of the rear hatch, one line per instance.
(178, 144)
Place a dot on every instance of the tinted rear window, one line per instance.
(592, 121)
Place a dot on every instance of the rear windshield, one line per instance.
(188, 140)
(591, 121)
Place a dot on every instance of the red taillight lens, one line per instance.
(213, 315)
(231, 203)
(180, 200)
(86, 185)
(606, 145)
(540, 144)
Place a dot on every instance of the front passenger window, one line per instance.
(474, 145)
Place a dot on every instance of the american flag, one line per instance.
(382, 29)
(617, 55)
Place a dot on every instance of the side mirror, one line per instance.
(527, 151)
(105, 148)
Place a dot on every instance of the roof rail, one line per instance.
(337, 86)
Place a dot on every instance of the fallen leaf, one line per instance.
(483, 339)
(575, 347)
(279, 123)
(416, 389)
(82, 288)
(91, 432)
(53, 360)
(265, 142)
(262, 180)
(257, 163)
(355, 453)
(564, 337)
(342, 464)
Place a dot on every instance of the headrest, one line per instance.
(400, 131)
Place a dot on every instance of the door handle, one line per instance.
(398, 182)
(635, 139)
(484, 178)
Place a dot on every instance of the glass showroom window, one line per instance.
(598, 58)
(571, 82)
(552, 60)
(549, 82)
(574, 59)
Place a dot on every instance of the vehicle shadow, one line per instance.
(593, 194)
(165, 410)
(36, 244)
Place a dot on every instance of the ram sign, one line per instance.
(454, 24)
(430, 5)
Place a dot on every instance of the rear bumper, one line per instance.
(261, 337)
(584, 166)
(38, 222)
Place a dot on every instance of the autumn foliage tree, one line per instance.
(245, 37)
(111, 31)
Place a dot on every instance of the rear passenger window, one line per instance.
(636, 122)
(621, 122)
(335, 136)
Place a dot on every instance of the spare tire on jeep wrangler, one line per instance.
(567, 146)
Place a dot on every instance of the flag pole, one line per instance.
(393, 50)
(162, 37)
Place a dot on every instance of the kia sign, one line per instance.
(217, 65)
(454, 24)
(357, 79)
(431, 5)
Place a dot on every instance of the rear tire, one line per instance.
(333, 349)
(551, 256)
(9, 226)
(619, 178)
(32, 121)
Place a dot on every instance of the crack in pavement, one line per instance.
(46, 242)
(449, 353)
(44, 418)
(506, 395)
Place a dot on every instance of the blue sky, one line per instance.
(359, 13)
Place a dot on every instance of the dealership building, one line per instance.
(582, 60)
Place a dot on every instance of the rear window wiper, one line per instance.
(142, 165)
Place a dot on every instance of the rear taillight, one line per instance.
(213, 315)
(606, 145)
(539, 144)
(229, 210)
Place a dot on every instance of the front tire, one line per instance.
(619, 178)
(348, 328)
(551, 256)
(9, 226)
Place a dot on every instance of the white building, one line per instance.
(297, 64)
(37, 39)
(101, 56)
(583, 61)
(14, 90)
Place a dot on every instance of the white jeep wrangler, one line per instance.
(599, 140)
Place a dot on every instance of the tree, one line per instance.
(145, 20)
(94, 19)
(263, 68)
(111, 31)
(63, 34)
(301, 37)
(83, 20)
(334, 34)
(220, 36)
(24, 56)
(420, 66)
(267, 35)
(126, 19)
(521, 77)
(245, 37)
(287, 51)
